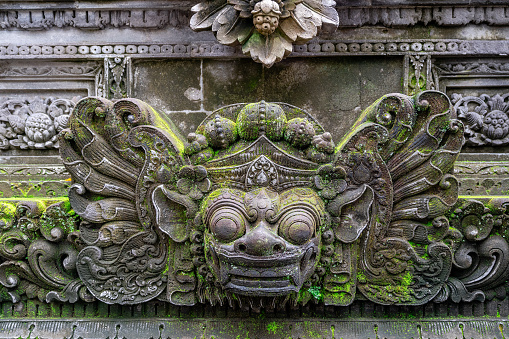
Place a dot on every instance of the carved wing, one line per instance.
(122, 156)
(397, 160)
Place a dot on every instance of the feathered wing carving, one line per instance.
(403, 148)
(119, 155)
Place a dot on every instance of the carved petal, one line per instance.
(324, 9)
(267, 50)
(101, 211)
(230, 28)
(302, 25)
(206, 13)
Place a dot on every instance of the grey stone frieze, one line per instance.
(28, 15)
(210, 49)
(486, 178)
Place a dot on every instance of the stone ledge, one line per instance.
(254, 328)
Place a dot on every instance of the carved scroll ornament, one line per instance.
(260, 207)
(266, 29)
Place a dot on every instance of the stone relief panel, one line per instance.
(471, 76)
(485, 118)
(417, 73)
(260, 207)
(34, 123)
(477, 88)
(157, 15)
(26, 79)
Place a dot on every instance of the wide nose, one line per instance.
(260, 241)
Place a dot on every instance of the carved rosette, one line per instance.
(33, 123)
(266, 29)
(485, 117)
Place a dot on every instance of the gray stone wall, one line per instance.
(54, 52)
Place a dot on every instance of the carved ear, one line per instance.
(174, 212)
(350, 213)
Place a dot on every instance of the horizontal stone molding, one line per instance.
(211, 49)
(264, 328)
(160, 14)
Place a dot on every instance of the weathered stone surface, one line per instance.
(67, 49)
(229, 81)
(266, 208)
(169, 85)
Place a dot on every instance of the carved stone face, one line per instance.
(262, 243)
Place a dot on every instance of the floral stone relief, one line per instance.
(485, 117)
(258, 207)
(33, 123)
(266, 29)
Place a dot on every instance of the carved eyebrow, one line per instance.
(300, 205)
(231, 204)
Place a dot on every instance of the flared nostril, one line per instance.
(278, 248)
(242, 247)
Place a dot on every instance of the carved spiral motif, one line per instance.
(297, 227)
(227, 224)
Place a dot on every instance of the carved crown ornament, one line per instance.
(259, 207)
(266, 29)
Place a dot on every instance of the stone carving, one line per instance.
(394, 15)
(47, 69)
(493, 67)
(38, 251)
(485, 117)
(116, 83)
(418, 75)
(200, 48)
(39, 19)
(266, 29)
(386, 13)
(480, 263)
(478, 178)
(33, 123)
(260, 207)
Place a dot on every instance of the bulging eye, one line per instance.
(297, 227)
(227, 224)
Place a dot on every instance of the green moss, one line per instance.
(273, 327)
(316, 292)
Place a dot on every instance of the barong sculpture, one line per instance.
(258, 207)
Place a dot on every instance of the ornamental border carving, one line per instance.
(175, 14)
(212, 49)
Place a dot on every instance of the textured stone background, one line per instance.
(333, 90)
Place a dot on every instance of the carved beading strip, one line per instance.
(211, 49)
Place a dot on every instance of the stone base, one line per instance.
(254, 328)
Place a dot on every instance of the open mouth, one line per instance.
(267, 276)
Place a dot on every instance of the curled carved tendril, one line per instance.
(79, 188)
